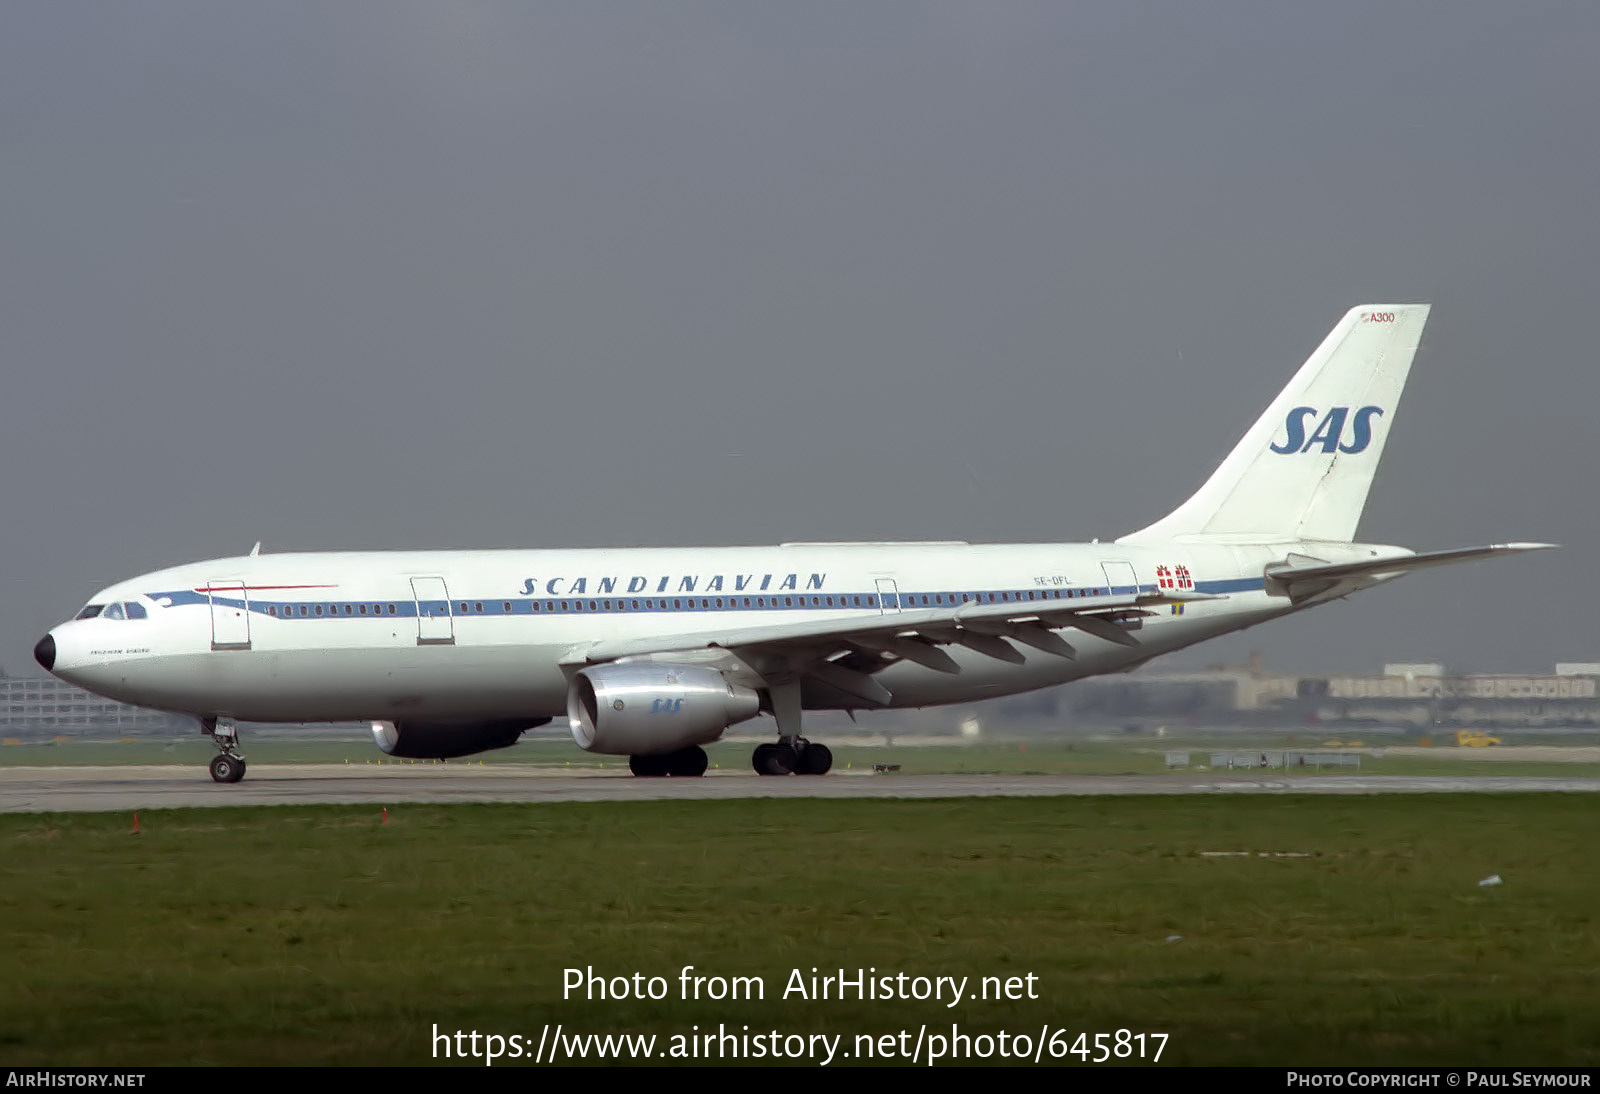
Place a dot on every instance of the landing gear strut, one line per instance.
(227, 766)
(792, 754)
(685, 763)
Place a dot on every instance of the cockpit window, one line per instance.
(135, 610)
(113, 611)
(90, 611)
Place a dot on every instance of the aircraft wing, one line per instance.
(1300, 576)
(913, 635)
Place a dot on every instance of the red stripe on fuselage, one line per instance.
(257, 588)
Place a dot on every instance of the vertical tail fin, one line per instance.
(1304, 469)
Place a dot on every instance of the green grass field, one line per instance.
(311, 935)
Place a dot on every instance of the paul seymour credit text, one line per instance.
(800, 985)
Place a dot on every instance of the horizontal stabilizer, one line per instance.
(1301, 575)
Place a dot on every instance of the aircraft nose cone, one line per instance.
(45, 652)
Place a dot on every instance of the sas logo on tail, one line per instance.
(1330, 430)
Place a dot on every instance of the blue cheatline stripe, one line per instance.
(1231, 585)
(634, 605)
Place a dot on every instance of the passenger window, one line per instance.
(508, 607)
(319, 609)
(391, 609)
(272, 610)
(363, 609)
(477, 606)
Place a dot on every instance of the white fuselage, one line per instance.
(468, 635)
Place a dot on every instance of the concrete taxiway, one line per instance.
(106, 789)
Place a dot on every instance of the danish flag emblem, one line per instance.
(1173, 577)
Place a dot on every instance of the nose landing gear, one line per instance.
(228, 765)
(227, 769)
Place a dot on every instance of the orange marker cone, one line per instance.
(136, 822)
(386, 814)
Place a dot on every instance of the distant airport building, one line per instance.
(1410, 694)
(33, 707)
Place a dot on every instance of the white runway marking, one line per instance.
(109, 789)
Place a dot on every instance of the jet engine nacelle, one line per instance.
(445, 740)
(644, 707)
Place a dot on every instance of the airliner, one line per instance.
(652, 653)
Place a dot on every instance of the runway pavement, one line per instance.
(109, 789)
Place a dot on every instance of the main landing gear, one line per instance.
(792, 754)
(689, 762)
(801, 758)
(227, 766)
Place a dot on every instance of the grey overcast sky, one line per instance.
(379, 274)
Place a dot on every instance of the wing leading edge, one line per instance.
(789, 650)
